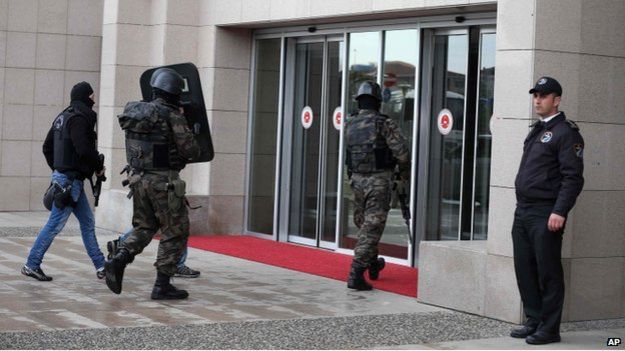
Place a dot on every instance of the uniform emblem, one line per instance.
(58, 123)
(579, 150)
(542, 81)
(546, 137)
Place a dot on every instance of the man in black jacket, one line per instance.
(70, 151)
(547, 185)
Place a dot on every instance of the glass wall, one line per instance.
(456, 66)
(262, 180)
(483, 135)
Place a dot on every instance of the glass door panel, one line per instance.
(389, 58)
(483, 135)
(401, 54)
(306, 141)
(449, 72)
(363, 62)
(334, 91)
(317, 88)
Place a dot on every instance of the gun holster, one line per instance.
(48, 197)
(62, 195)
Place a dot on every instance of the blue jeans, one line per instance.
(181, 262)
(57, 221)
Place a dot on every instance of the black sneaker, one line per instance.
(186, 272)
(168, 292)
(100, 273)
(36, 273)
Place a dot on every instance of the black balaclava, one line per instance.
(81, 92)
(168, 97)
(366, 102)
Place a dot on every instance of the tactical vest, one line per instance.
(367, 150)
(149, 143)
(65, 156)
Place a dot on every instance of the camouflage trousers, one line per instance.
(372, 196)
(157, 206)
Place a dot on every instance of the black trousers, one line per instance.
(537, 254)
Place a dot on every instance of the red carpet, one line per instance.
(395, 278)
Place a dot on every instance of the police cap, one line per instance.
(547, 85)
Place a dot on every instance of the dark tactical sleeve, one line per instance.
(399, 146)
(80, 132)
(183, 137)
(48, 148)
(571, 159)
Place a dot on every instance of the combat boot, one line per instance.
(376, 267)
(114, 269)
(163, 290)
(356, 279)
(111, 247)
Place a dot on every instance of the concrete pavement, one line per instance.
(234, 304)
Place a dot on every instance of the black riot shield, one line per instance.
(192, 101)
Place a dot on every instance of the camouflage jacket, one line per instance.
(368, 124)
(157, 136)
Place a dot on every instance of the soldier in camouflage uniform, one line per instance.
(375, 146)
(158, 145)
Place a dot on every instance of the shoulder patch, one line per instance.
(572, 124)
(579, 150)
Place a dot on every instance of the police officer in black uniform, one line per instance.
(547, 185)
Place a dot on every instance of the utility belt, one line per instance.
(176, 188)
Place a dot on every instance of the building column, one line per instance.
(139, 35)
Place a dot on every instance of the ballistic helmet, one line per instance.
(168, 80)
(371, 89)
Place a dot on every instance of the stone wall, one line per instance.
(140, 34)
(46, 46)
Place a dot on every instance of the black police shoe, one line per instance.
(36, 273)
(168, 292)
(523, 331)
(356, 279)
(186, 272)
(541, 338)
(376, 267)
(114, 270)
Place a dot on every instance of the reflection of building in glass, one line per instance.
(398, 87)
(456, 82)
